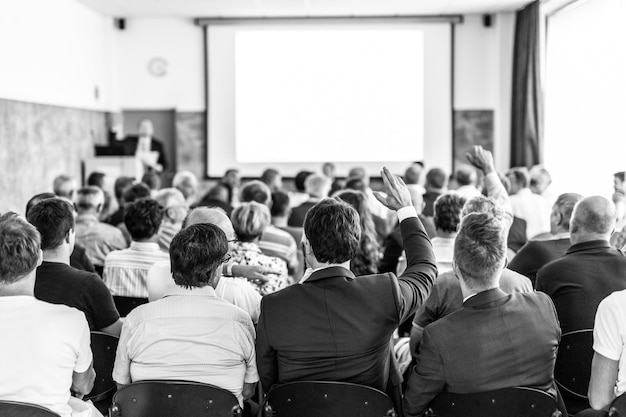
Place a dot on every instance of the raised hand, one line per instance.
(481, 159)
(398, 194)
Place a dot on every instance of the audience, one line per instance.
(64, 186)
(174, 212)
(274, 241)
(250, 221)
(191, 334)
(367, 257)
(217, 196)
(46, 347)
(121, 185)
(435, 186)
(447, 216)
(98, 179)
(237, 291)
(133, 193)
(467, 181)
(528, 206)
(280, 211)
(332, 326)
(317, 187)
(537, 253)
(56, 281)
(232, 182)
(187, 183)
(125, 271)
(96, 237)
(272, 178)
(300, 195)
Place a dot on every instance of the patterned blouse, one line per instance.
(248, 253)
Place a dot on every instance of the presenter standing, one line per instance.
(148, 149)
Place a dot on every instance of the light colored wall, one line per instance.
(56, 52)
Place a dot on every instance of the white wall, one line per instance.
(483, 74)
(180, 43)
(56, 52)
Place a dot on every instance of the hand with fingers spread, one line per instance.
(398, 194)
(481, 159)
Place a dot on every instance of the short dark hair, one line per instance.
(620, 175)
(564, 205)
(36, 199)
(96, 179)
(448, 212)
(436, 178)
(356, 184)
(53, 218)
(520, 175)
(143, 218)
(300, 179)
(152, 180)
(121, 184)
(19, 248)
(465, 175)
(269, 175)
(256, 191)
(196, 252)
(333, 229)
(135, 192)
(280, 203)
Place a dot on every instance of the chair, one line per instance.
(103, 346)
(125, 305)
(509, 402)
(173, 399)
(573, 368)
(326, 399)
(19, 409)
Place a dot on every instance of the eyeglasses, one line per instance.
(226, 259)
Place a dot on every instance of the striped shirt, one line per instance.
(189, 334)
(125, 271)
(167, 233)
(278, 243)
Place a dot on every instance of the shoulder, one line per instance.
(60, 313)
(272, 233)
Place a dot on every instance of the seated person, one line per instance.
(250, 220)
(45, 350)
(317, 187)
(191, 333)
(125, 271)
(57, 282)
(174, 212)
(447, 213)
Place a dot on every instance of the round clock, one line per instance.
(158, 66)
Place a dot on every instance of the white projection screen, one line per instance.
(293, 96)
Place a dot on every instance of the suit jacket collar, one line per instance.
(591, 244)
(330, 272)
(486, 297)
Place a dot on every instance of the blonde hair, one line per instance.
(250, 220)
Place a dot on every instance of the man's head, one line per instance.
(20, 251)
(97, 179)
(480, 251)
(256, 191)
(412, 174)
(519, 179)
(186, 182)
(121, 185)
(218, 193)
(211, 215)
(593, 218)
(89, 200)
(143, 219)
(540, 179)
(145, 128)
(54, 219)
(359, 173)
(231, 178)
(448, 212)
(562, 212)
(197, 253)
(300, 179)
(332, 232)
(466, 175)
(135, 192)
(273, 179)
(250, 220)
(317, 185)
(36, 199)
(328, 169)
(173, 203)
(280, 204)
(435, 179)
(482, 204)
(152, 180)
(618, 181)
(64, 186)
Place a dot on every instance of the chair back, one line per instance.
(618, 407)
(326, 399)
(103, 346)
(509, 402)
(174, 399)
(125, 305)
(573, 363)
(19, 409)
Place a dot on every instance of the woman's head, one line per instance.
(250, 220)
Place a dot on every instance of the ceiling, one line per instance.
(296, 8)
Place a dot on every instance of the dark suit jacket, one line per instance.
(537, 253)
(336, 327)
(296, 219)
(130, 147)
(579, 280)
(497, 340)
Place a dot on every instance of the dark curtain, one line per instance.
(526, 107)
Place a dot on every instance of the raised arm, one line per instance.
(415, 283)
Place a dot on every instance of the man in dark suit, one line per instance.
(496, 340)
(145, 142)
(335, 326)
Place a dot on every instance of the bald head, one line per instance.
(593, 219)
(213, 215)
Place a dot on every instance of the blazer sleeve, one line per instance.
(415, 283)
(266, 360)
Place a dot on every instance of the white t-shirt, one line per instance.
(42, 345)
(609, 334)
